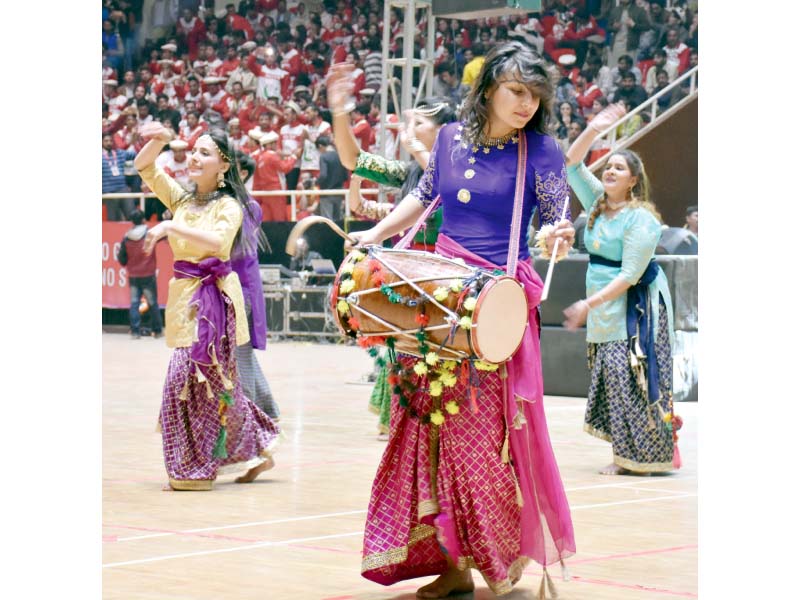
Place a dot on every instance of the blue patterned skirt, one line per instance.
(617, 410)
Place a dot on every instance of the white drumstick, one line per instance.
(552, 263)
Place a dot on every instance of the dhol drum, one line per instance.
(424, 300)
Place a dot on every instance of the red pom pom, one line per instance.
(422, 319)
(393, 379)
(378, 278)
(354, 323)
(364, 342)
(373, 265)
(677, 422)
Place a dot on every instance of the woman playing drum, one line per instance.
(468, 478)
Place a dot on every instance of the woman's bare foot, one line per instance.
(613, 469)
(251, 475)
(451, 581)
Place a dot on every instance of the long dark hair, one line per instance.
(517, 59)
(439, 110)
(233, 185)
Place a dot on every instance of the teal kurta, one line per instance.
(630, 236)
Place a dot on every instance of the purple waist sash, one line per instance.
(211, 315)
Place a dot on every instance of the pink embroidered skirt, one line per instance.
(445, 486)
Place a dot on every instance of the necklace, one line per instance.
(615, 205)
(206, 197)
(487, 142)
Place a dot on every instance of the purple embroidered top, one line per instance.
(477, 189)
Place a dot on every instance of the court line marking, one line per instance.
(236, 526)
(167, 533)
(341, 535)
(235, 549)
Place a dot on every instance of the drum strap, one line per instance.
(516, 218)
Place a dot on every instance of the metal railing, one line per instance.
(294, 194)
(656, 117)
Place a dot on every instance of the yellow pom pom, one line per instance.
(465, 322)
(440, 294)
(456, 285)
(436, 388)
(347, 286)
(448, 379)
(485, 366)
(469, 303)
(667, 417)
(437, 418)
(452, 407)
(342, 306)
(358, 256)
(348, 268)
(431, 358)
(420, 368)
(449, 365)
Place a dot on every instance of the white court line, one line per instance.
(352, 512)
(351, 534)
(253, 524)
(649, 489)
(583, 506)
(235, 549)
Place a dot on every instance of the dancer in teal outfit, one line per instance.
(627, 311)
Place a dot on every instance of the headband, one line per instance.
(221, 153)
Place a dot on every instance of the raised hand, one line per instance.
(155, 131)
(607, 117)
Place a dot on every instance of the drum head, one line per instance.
(499, 320)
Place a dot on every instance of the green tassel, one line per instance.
(226, 398)
(373, 352)
(380, 361)
(390, 342)
(220, 451)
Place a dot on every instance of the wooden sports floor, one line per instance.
(295, 533)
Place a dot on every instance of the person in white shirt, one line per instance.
(316, 127)
(175, 162)
(293, 135)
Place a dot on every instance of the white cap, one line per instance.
(110, 82)
(269, 137)
(567, 59)
(233, 121)
(294, 106)
(255, 133)
(178, 145)
(211, 79)
(170, 47)
(249, 45)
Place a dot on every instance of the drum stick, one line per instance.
(549, 276)
(303, 224)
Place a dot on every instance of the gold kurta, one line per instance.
(223, 217)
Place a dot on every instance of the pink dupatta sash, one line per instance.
(547, 535)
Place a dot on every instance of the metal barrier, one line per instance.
(651, 104)
(293, 194)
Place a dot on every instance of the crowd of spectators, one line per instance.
(258, 70)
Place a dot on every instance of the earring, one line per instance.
(220, 180)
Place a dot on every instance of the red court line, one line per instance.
(634, 587)
(399, 588)
(184, 533)
(323, 549)
(631, 554)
